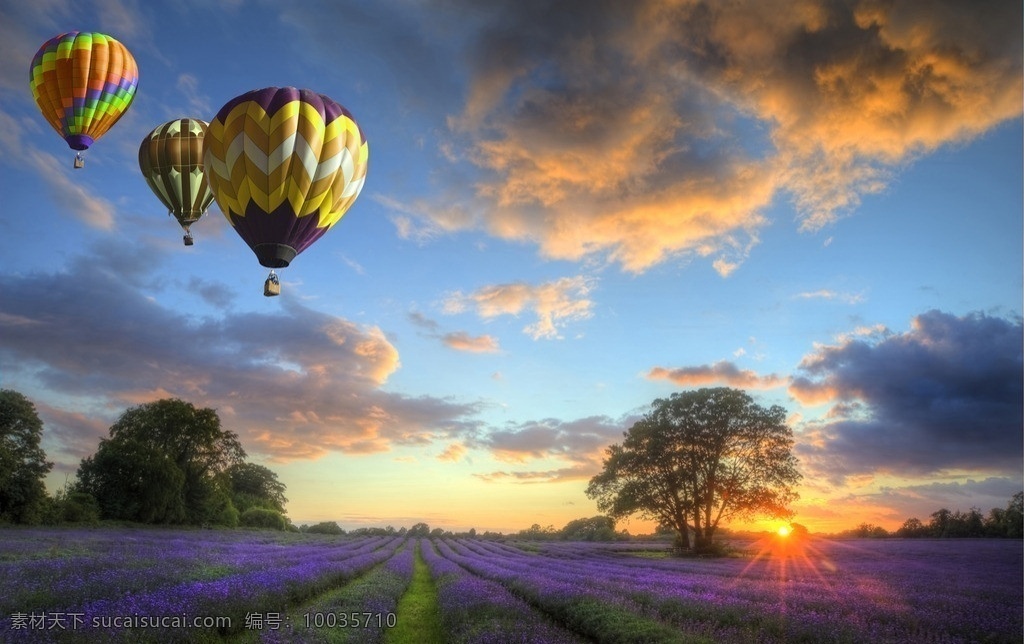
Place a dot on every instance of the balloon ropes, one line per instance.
(171, 160)
(284, 164)
(83, 82)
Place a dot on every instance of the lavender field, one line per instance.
(158, 585)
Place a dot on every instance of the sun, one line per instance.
(784, 531)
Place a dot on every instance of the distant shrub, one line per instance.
(325, 527)
(262, 518)
(80, 507)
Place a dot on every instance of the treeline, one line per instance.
(165, 462)
(599, 528)
(1007, 523)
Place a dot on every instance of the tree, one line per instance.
(1014, 516)
(255, 486)
(263, 518)
(23, 464)
(164, 462)
(597, 528)
(699, 458)
(132, 481)
(419, 530)
(324, 527)
(912, 528)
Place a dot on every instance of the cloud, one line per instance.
(453, 453)
(553, 303)
(458, 340)
(71, 196)
(579, 443)
(945, 395)
(294, 384)
(646, 131)
(188, 86)
(827, 294)
(723, 372)
(537, 476)
(462, 341)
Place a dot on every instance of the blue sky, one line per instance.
(569, 212)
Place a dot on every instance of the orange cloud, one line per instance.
(452, 453)
(462, 341)
(664, 130)
(553, 303)
(720, 372)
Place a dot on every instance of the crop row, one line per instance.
(276, 588)
(154, 579)
(821, 592)
(478, 610)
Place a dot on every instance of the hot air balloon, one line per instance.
(284, 164)
(83, 83)
(171, 160)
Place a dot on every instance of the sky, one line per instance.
(571, 209)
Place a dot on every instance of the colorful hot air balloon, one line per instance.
(284, 164)
(171, 160)
(83, 83)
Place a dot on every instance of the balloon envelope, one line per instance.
(83, 82)
(285, 164)
(171, 160)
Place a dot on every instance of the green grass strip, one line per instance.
(418, 616)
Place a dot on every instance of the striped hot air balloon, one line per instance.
(171, 160)
(83, 82)
(285, 164)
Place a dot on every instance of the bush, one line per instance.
(80, 507)
(325, 527)
(262, 518)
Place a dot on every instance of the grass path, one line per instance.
(418, 616)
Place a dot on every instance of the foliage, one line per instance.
(1000, 522)
(419, 530)
(599, 528)
(164, 462)
(262, 518)
(255, 486)
(23, 463)
(324, 527)
(537, 533)
(78, 507)
(698, 458)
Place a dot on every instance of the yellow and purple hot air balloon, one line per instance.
(284, 164)
(171, 160)
(83, 82)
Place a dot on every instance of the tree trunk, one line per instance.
(682, 540)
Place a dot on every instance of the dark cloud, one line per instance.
(945, 395)
(294, 384)
(643, 130)
(578, 443)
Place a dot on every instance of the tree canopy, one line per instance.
(255, 486)
(23, 463)
(699, 458)
(164, 462)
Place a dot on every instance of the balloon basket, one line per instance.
(272, 286)
(187, 239)
(79, 161)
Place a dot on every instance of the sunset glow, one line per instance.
(569, 212)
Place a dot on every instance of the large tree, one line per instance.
(255, 486)
(164, 462)
(699, 458)
(23, 463)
